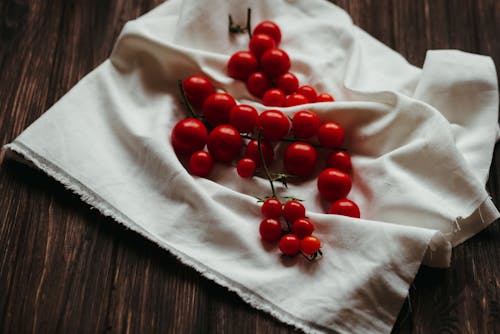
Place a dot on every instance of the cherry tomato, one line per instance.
(345, 207)
(330, 135)
(295, 99)
(288, 83)
(188, 136)
(258, 84)
(252, 152)
(305, 124)
(224, 143)
(308, 92)
(293, 210)
(310, 245)
(289, 244)
(272, 208)
(275, 125)
(270, 230)
(333, 184)
(269, 28)
(302, 227)
(260, 43)
(325, 98)
(241, 65)
(201, 163)
(300, 159)
(243, 117)
(197, 88)
(340, 160)
(274, 97)
(217, 108)
(275, 62)
(246, 168)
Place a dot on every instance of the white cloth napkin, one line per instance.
(421, 142)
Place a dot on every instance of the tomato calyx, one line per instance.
(235, 28)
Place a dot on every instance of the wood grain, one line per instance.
(66, 268)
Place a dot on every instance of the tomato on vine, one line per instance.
(269, 28)
(246, 168)
(188, 136)
(275, 62)
(300, 159)
(201, 164)
(293, 210)
(275, 125)
(309, 92)
(274, 97)
(217, 108)
(272, 208)
(241, 65)
(224, 143)
(288, 83)
(331, 135)
(270, 230)
(310, 245)
(243, 117)
(340, 160)
(289, 244)
(302, 227)
(305, 124)
(324, 97)
(345, 207)
(252, 152)
(197, 88)
(260, 43)
(333, 184)
(258, 83)
(295, 99)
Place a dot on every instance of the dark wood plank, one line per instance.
(66, 268)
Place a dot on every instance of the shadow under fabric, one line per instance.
(421, 142)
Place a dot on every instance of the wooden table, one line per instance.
(66, 268)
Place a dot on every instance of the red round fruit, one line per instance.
(325, 98)
(217, 108)
(258, 84)
(300, 159)
(224, 143)
(241, 65)
(333, 184)
(275, 125)
(289, 244)
(288, 83)
(310, 245)
(305, 124)
(269, 28)
(246, 168)
(330, 135)
(243, 117)
(272, 208)
(197, 88)
(302, 227)
(188, 136)
(295, 99)
(340, 160)
(308, 92)
(260, 43)
(344, 207)
(252, 152)
(293, 210)
(201, 163)
(274, 97)
(275, 62)
(270, 230)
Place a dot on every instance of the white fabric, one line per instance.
(421, 143)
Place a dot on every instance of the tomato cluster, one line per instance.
(265, 68)
(222, 130)
(296, 236)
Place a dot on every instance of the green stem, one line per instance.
(263, 162)
(185, 101)
(249, 26)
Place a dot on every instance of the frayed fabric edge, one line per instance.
(89, 197)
